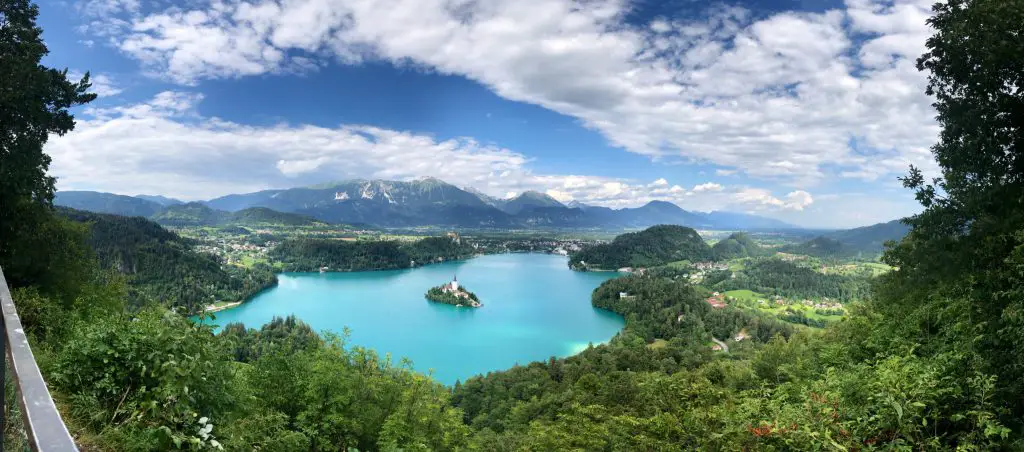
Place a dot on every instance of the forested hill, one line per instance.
(261, 215)
(306, 254)
(653, 246)
(160, 266)
(189, 214)
(198, 214)
(735, 246)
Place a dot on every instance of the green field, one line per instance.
(678, 264)
(744, 295)
(658, 343)
(748, 298)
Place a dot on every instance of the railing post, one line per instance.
(44, 427)
(3, 371)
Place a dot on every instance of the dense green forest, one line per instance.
(737, 245)
(777, 277)
(657, 245)
(255, 216)
(161, 266)
(305, 254)
(933, 359)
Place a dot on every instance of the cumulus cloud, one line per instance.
(777, 97)
(165, 146)
(759, 198)
(709, 186)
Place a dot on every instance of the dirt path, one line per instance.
(212, 308)
(725, 347)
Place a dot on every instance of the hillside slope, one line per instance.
(162, 267)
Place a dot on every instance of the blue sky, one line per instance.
(805, 111)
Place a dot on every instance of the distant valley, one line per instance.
(425, 202)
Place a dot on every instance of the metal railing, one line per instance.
(44, 428)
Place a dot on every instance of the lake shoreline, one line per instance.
(213, 308)
(529, 298)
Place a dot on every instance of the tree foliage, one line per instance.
(34, 103)
(778, 277)
(161, 266)
(305, 254)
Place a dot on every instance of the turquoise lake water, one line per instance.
(534, 308)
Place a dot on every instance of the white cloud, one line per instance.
(103, 85)
(759, 198)
(708, 186)
(165, 146)
(779, 97)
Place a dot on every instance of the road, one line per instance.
(725, 348)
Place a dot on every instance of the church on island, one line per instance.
(453, 294)
(453, 287)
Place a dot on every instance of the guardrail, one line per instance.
(44, 428)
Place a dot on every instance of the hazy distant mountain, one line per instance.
(425, 202)
(866, 242)
(232, 203)
(189, 214)
(528, 200)
(162, 200)
(662, 212)
(106, 203)
(431, 201)
(872, 237)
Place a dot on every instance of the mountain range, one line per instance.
(424, 202)
(865, 242)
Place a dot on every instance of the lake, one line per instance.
(534, 308)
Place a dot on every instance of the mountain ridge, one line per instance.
(433, 202)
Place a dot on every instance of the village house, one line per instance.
(715, 300)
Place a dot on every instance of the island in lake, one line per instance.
(453, 294)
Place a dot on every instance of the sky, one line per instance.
(802, 110)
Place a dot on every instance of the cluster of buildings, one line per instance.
(454, 290)
(234, 251)
(823, 304)
(710, 266)
(703, 268)
(561, 247)
(716, 300)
